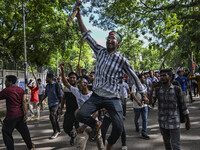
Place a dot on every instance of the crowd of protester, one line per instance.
(93, 101)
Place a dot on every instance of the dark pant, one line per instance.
(114, 108)
(54, 118)
(69, 122)
(104, 128)
(171, 138)
(18, 123)
(124, 101)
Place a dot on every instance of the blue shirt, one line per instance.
(53, 96)
(182, 82)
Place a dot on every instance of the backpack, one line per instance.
(177, 92)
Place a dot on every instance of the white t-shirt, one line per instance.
(41, 88)
(138, 95)
(123, 90)
(80, 98)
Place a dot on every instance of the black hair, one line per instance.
(39, 80)
(50, 75)
(168, 71)
(83, 70)
(11, 78)
(179, 71)
(71, 73)
(140, 75)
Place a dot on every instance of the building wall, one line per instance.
(20, 76)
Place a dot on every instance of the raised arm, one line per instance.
(80, 21)
(64, 79)
(70, 67)
(37, 84)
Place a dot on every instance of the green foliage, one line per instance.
(173, 22)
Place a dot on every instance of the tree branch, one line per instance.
(10, 35)
(172, 6)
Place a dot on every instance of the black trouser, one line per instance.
(54, 118)
(69, 122)
(124, 101)
(9, 125)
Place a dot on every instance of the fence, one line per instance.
(20, 76)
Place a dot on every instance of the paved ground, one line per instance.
(41, 130)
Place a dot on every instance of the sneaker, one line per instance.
(72, 141)
(55, 135)
(124, 147)
(95, 131)
(145, 136)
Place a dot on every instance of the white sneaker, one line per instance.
(54, 135)
(124, 147)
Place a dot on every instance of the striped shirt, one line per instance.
(109, 68)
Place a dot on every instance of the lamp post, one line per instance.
(25, 55)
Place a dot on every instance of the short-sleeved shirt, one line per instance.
(13, 96)
(81, 99)
(123, 90)
(34, 94)
(41, 88)
(138, 95)
(182, 82)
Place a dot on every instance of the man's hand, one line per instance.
(145, 99)
(187, 124)
(79, 11)
(62, 65)
(81, 129)
(139, 103)
(25, 117)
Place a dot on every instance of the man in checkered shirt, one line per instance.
(110, 66)
(168, 109)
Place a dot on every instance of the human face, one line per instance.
(91, 76)
(112, 43)
(33, 84)
(48, 80)
(72, 79)
(81, 85)
(143, 79)
(165, 78)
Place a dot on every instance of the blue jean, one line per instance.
(171, 138)
(104, 128)
(114, 108)
(144, 112)
(9, 125)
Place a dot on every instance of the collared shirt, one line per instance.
(168, 111)
(109, 68)
(149, 83)
(123, 90)
(41, 88)
(50, 92)
(139, 97)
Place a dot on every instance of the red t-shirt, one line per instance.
(13, 96)
(34, 94)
